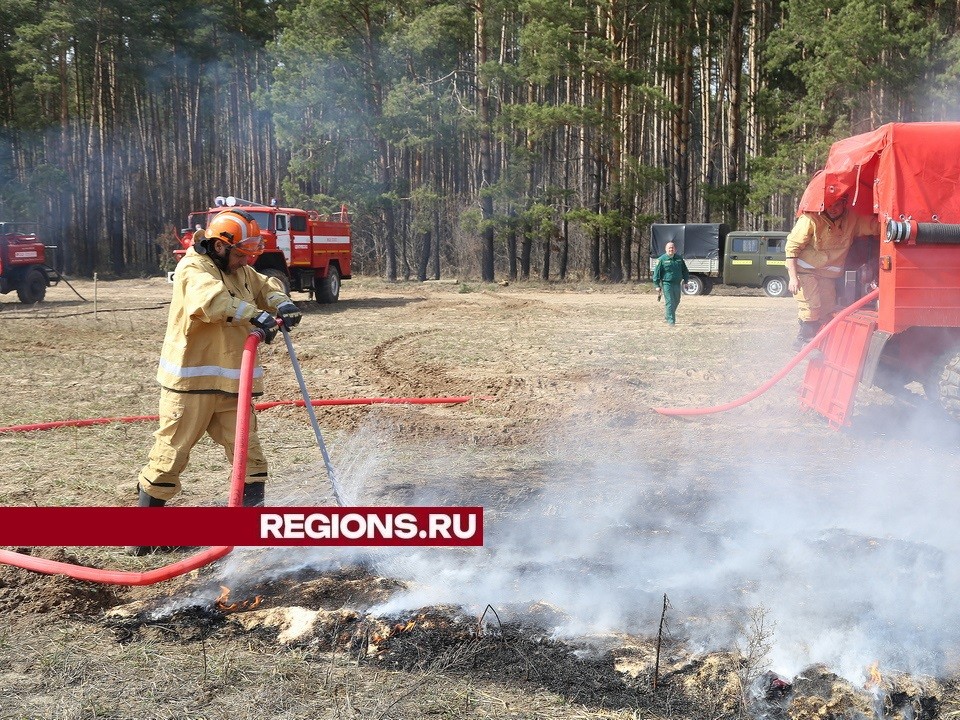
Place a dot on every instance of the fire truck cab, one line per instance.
(307, 251)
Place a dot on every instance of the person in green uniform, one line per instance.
(670, 272)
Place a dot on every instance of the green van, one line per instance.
(714, 254)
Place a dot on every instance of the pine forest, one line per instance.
(488, 139)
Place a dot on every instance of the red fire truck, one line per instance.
(307, 251)
(23, 262)
(907, 176)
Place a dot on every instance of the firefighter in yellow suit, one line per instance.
(816, 250)
(218, 300)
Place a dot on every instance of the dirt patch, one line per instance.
(30, 594)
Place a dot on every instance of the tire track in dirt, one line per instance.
(398, 366)
(401, 373)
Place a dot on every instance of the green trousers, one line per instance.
(671, 299)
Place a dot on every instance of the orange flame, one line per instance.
(410, 625)
(224, 605)
(397, 629)
(875, 677)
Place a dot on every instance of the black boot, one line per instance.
(807, 332)
(253, 494)
(144, 500)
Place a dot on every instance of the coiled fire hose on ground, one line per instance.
(809, 348)
(205, 557)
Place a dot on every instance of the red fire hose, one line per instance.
(810, 347)
(113, 577)
(451, 400)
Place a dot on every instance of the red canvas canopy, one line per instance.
(899, 171)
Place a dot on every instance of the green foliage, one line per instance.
(432, 35)
(639, 178)
(725, 197)
(38, 45)
(411, 114)
(540, 119)
(611, 222)
(472, 222)
(828, 64)
(540, 220)
(549, 38)
(25, 200)
(425, 202)
(945, 86)
(377, 103)
(322, 203)
(831, 55)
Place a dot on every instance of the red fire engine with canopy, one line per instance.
(908, 175)
(307, 251)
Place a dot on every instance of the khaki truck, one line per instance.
(715, 254)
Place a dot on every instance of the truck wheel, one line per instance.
(707, 286)
(693, 286)
(33, 287)
(279, 275)
(942, 388)
(776, 287)
(328, 288)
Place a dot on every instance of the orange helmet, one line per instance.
(238, 229)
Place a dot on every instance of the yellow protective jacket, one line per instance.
(209, 322)
(820, 244)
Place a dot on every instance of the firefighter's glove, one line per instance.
(659, 293)
(267, 324)
(290, 314)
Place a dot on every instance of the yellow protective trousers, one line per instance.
(184, 418)
(817, 296)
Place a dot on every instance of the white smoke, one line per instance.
(845, 541)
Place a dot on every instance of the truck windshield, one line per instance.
(264, 220)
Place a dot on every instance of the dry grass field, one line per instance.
(776, 544)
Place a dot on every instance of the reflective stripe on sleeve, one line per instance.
(241, 309)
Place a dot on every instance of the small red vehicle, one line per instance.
(307, 251)
(23, 262)
(908, 175)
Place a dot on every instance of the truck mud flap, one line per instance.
(830, 383)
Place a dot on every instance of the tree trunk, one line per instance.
(425, 253)
(486, 149)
